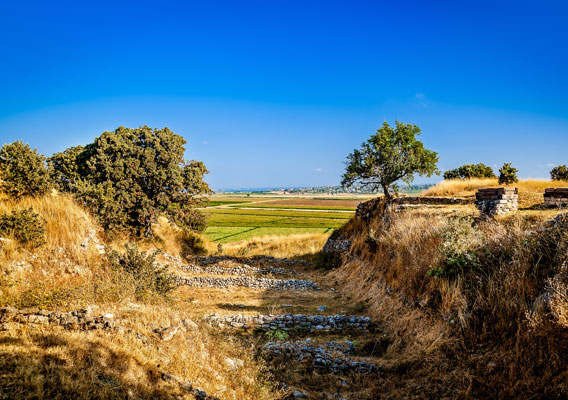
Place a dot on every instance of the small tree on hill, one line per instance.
(390, 155)
(469, 171)
(508, 174)
(23, 171)
(130, 176)
(559, 173)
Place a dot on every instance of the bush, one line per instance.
(559, 173)
(192, 244)
(23, 171)
(130, 176)
(460, 241)
(508, 174)
(147, 276)
(25, 226)
(469, 171)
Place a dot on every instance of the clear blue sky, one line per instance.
(277, 93)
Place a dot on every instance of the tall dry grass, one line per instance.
(50, 362)
(468, 187)
(494, 299)
(278, 246)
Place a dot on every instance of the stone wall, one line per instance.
(246, 281)
(556, 197)
(367, 209)
(325, 323)
(496, 201)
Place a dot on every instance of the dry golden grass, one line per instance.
(49, 362)
(468, 187)
(438, 325)
(278, 246)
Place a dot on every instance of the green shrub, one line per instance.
(276, 334)
(460, 243)
(468, 171)
(147, 276)
(25, 226)
(23, 171)
(130, 176)
(559, 173)
(508, 174)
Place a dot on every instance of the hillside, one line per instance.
(426, 302)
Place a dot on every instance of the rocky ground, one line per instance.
(322, 340)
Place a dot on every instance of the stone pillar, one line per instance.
(556, 197)
(496, 201)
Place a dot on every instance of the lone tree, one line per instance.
(390, 155)
(508, 174)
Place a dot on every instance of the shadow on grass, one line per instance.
(53, 366)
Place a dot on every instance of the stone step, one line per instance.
(333, 357)
(254, 260)
(239, 270)
(286, 322)
(246, 281)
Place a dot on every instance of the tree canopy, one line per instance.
(390, 155)
(129, 176)
(468, 171)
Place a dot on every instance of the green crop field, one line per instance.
(226, 225)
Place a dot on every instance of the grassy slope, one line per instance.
(480, 334)
(49, 362)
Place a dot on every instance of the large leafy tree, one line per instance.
(130, 176)
(390, 155)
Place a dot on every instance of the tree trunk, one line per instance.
(388, 196)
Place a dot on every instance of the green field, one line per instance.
(226, 225)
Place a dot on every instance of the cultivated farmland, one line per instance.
(232, 218)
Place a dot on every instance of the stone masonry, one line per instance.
(321, 323)
(246, 281)
(556, 197)
(496, 201)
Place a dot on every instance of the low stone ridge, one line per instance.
(433, 200)
(286, 322)
(242, 270)
(84, 319)
(254, 260)
(556, 197)
(246, 281)
(329, 358)
(496, 201)
(365, 210)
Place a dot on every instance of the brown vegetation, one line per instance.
(465, 303)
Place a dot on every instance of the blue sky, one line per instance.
(277, 93)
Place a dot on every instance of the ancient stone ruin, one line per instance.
(556, 197)
(497, 201)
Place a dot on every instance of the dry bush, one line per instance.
(176, 241)
(278, 246)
